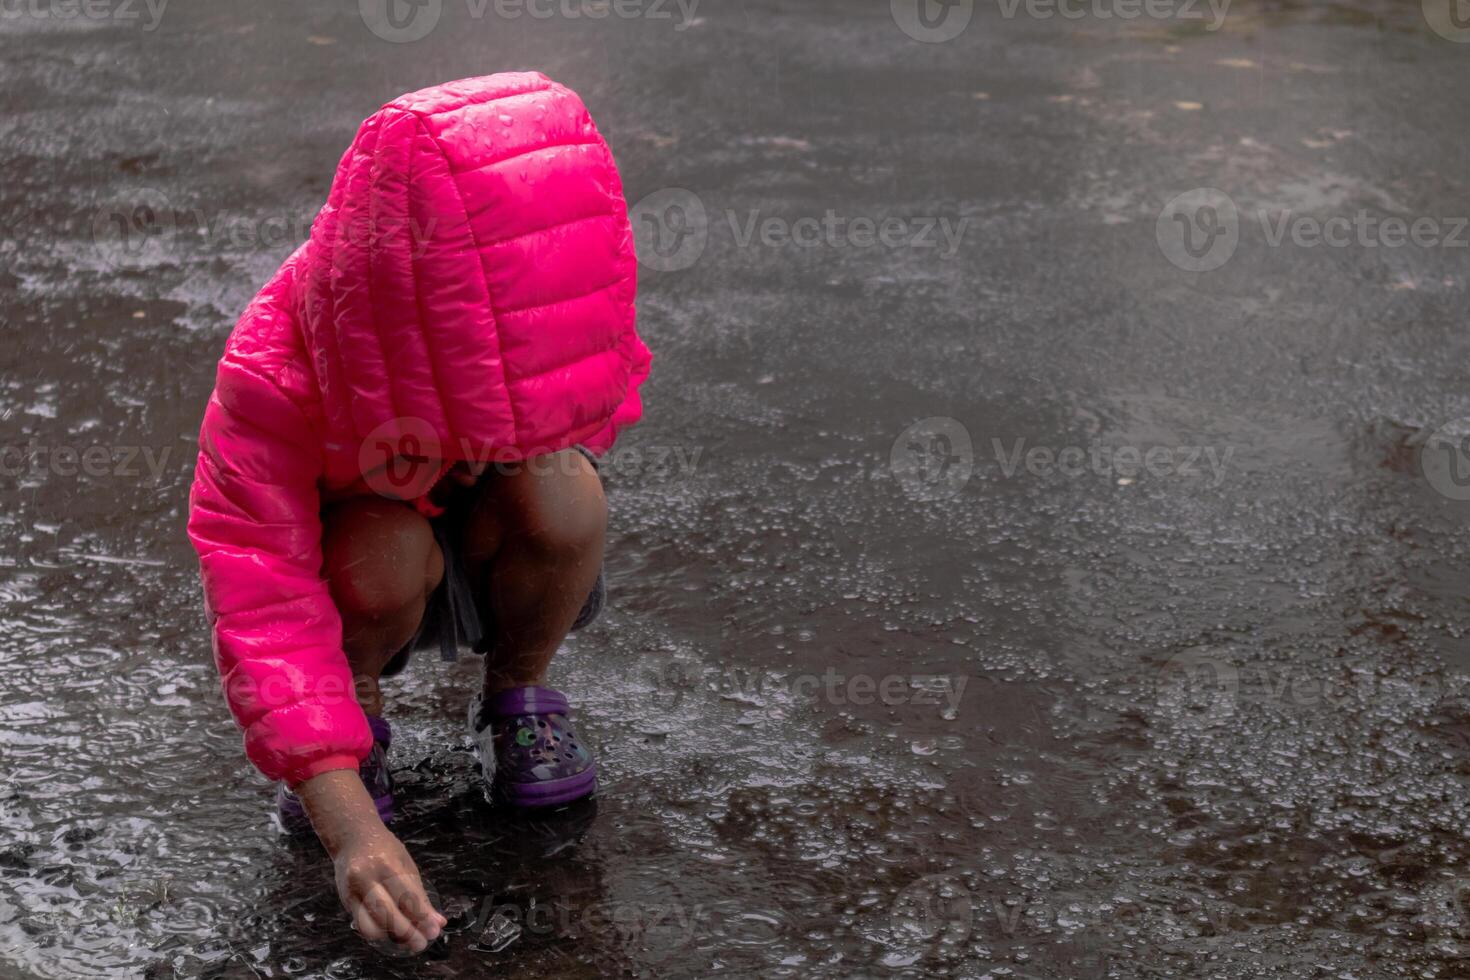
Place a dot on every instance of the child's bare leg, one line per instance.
(532, 550)
(381, 564)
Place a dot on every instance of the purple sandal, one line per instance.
(374, 773)
(525, 739)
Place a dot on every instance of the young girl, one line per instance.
(399, 454)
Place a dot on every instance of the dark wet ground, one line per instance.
(1207, 724)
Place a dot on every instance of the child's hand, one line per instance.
(377, 881)
(380, 888)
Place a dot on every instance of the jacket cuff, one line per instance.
(343, 760)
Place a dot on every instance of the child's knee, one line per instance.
(379, 558)
(560, 507)
(573, 535)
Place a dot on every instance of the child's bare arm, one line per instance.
(255, 518)
(376, 879)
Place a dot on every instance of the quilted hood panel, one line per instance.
(473, 274)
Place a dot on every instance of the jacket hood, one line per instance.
(470, 280)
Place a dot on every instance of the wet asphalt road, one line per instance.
(1023, 570)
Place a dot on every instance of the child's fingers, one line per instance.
(428, 925)
(385, 912)
(413, 902)
(422, 914)
(367, 927)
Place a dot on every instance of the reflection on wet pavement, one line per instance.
(1051, 588)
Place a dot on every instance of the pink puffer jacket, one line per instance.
(467, 292)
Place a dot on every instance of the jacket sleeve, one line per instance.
(254, 518)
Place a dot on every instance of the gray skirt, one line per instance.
(453, 619)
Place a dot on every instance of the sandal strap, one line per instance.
(382, 731)
(526, 701)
